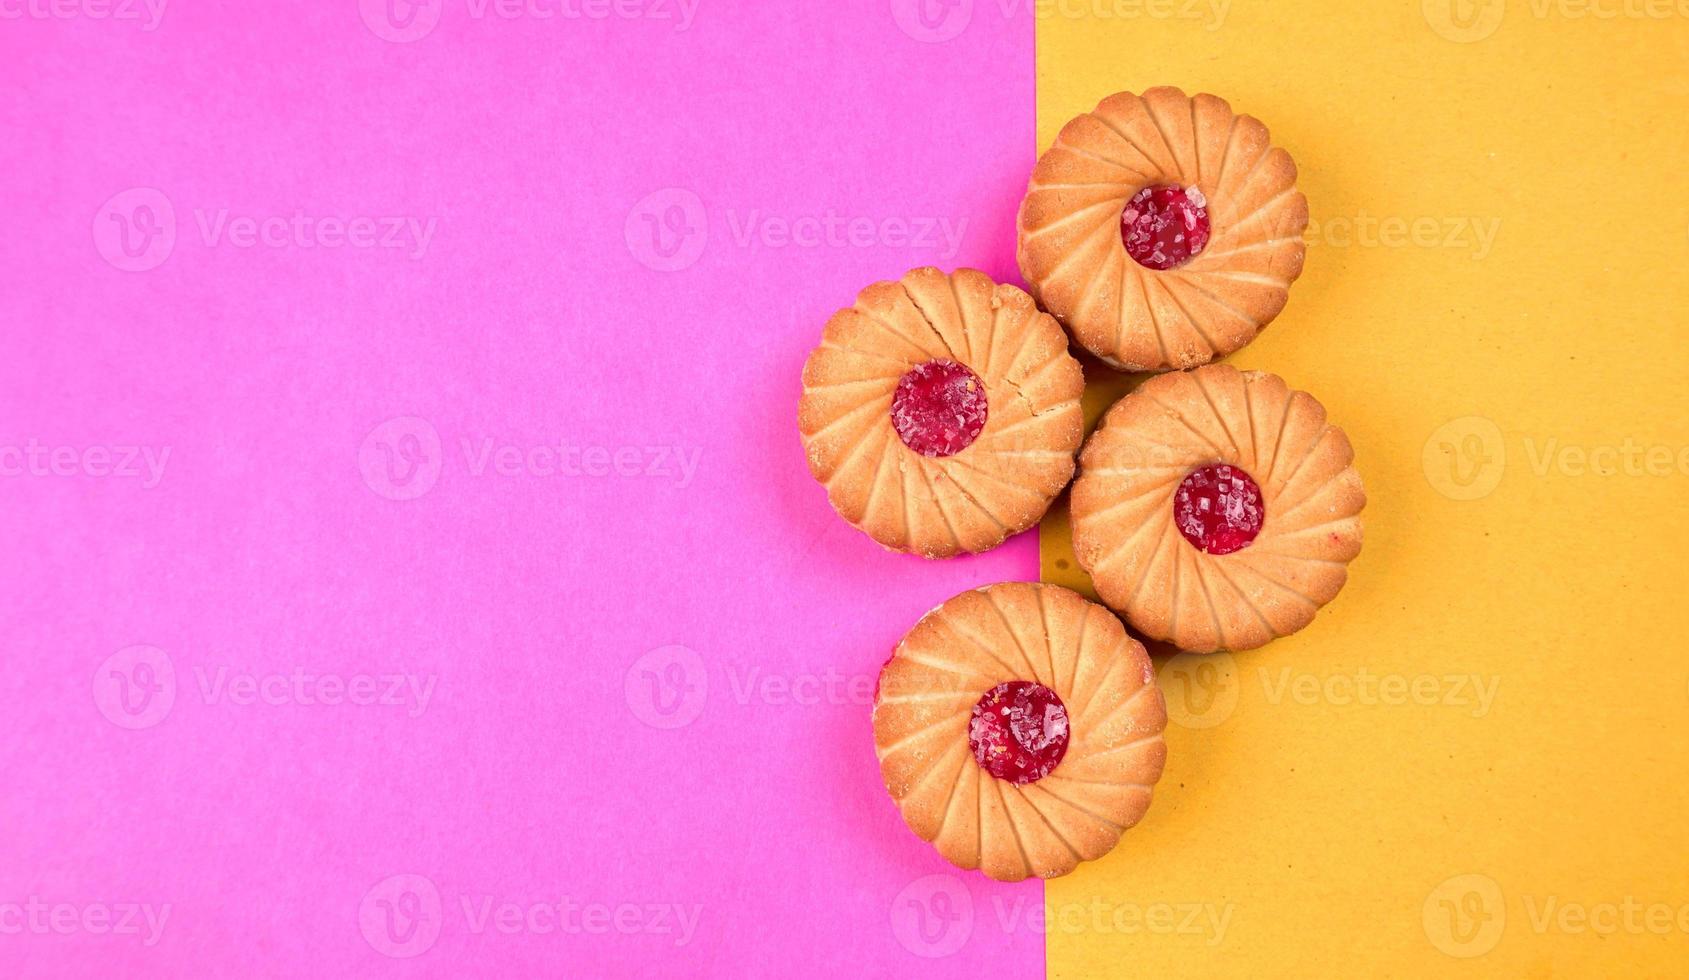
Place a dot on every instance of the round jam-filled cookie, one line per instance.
(941, 412)
(1162, 230)
(1216, 509)
(1018, 728)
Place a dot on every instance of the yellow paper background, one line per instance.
(1348, 837)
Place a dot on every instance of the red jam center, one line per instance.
(1019, 731)
(1219, 509)
(1165, 227)
(939, 408)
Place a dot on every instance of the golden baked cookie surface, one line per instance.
(1073, 255)
(1017, 451)
(1126, 506)
(1110, 719)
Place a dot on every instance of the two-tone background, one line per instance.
(410, 567)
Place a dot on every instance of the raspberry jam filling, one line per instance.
(1165, 227)
(1219, 509)
(1019, 731)
(939, 408)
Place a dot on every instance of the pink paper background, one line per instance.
(539, 314)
